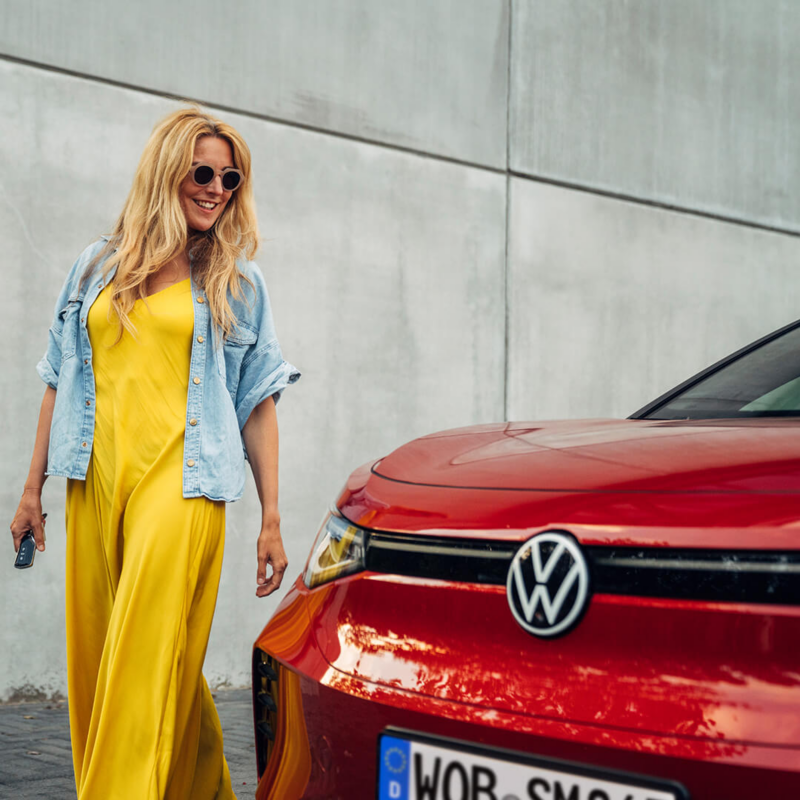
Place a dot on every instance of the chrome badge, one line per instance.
(548, 584)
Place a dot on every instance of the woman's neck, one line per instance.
(174, 271)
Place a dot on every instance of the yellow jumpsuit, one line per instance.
(143, 568)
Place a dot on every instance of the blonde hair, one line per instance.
(152, 229)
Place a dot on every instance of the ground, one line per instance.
(36, 761)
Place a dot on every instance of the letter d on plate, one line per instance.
(395, 767)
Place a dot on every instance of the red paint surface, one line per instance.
(706, 694)
(752, 455)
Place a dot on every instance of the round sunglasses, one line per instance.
(203, 174)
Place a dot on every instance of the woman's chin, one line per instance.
(200, 225)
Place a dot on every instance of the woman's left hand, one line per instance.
(260, 434)
(270, 551)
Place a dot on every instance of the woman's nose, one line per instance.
(215, 187)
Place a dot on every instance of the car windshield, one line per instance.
(762, 383)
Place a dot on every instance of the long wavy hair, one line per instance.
(152, 229)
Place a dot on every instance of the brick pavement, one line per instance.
(36, 760)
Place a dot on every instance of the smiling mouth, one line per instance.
(206, 205)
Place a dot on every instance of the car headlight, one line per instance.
(338, 551)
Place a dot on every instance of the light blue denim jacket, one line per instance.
(233, 379)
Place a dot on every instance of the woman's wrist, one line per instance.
(36, 489)
(270, 520)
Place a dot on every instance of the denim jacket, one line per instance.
(234, 378)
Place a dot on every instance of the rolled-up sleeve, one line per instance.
(49, 367)
(50, 364)
(264, 372)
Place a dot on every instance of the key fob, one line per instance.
(26, 552)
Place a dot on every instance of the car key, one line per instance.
(27, 550)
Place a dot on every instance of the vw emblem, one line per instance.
(548, 584)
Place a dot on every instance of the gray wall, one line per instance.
(470, 210)
(430, 76)
(687, 103)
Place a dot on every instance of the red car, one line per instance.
(593, 610)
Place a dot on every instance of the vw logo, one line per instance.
(548, 584)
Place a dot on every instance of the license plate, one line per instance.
(418, 767)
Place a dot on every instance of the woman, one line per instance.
(162, 362)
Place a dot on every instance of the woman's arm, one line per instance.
(29, 511)
(260, 434)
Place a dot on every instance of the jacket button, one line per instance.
(200, 339)
(85, 360)
(200, 300)
(83, 444)
(88, 402)
(190, 462)
(193, 421)
(195, 381)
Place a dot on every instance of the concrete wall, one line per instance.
(691, 103)
(637, 299)
(466, 212)
(360, 270)
(430, 75)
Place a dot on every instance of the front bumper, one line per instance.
(325, 728)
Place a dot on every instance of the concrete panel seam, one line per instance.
(506, 360)
(408, 150)
(397, 148)
(691, 212)
(249, 114)
(506, 314)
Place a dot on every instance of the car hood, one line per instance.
(742, 456)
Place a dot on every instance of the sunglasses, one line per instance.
(203, 174)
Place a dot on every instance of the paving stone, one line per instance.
(36, 757)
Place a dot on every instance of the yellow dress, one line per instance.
(143, 567)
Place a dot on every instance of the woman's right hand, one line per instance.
(29, 518)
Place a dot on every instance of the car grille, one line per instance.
(726, 576)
